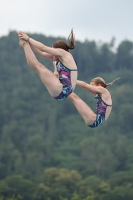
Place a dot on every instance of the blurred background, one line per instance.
(93, 20)
(46, 150)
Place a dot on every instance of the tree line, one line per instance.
(46, 150)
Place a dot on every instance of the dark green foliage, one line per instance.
(46, 150)
(125, 55)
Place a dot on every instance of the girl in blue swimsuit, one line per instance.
(61, 86)
(97, 87)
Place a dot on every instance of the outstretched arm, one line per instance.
(90, 88)
(40, 46)
(41, 53)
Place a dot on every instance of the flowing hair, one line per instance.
(101, 81)
(63, 45)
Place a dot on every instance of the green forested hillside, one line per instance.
(46, 150)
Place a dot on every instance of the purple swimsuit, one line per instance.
(100, 111)
(65, 79)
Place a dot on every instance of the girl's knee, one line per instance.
(74, 96)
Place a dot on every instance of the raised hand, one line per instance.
(23, 35)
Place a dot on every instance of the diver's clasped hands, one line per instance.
(23, 35)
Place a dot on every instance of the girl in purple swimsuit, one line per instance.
(98, 87)
(61, 86)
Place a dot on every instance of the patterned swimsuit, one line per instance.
(65, 79)
(100, 111)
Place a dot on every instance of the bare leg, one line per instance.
(84, 110)
(47, 77)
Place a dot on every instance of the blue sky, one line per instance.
(98, 20)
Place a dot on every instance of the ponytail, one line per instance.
(101, 81)
(71, 40)
(111, 83)
(63, 45)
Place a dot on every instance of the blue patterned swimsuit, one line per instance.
(100, 111)
(65, 79)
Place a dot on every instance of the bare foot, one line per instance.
(22, 42)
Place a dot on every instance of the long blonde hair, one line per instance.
(101, 81)
(63, 45)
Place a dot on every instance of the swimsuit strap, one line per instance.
(97, 96)
(72, 69)
(58, 61)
